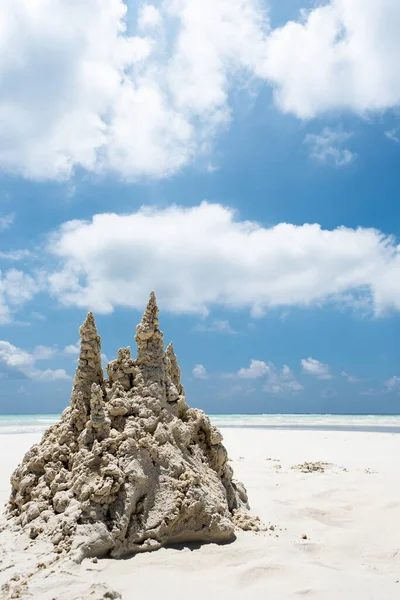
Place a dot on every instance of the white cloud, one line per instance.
(350, 378)
(149, 16)
(311, 366)
(393, 384)
(217, 326)
(281, 381)
(14, 255)
(24, 362)
(50, 375)
(327, 147)
(77, 91)
(196, 258)
(200, 372)
(277, 381)
(343, 55)
(16, 288)
(72, 349)
(258, 368)
(43, 352)
(6, 221)
(13, 356)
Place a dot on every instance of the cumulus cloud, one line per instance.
(276, 381)
(23, 362)
(312, 366)
(281, 381)
(78, 90)
(149, 17)
(196, 258)
(339, 56)
(16, 288)
(327, 147)
(257, 368)
(200, 372)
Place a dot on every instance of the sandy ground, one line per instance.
(350, 514)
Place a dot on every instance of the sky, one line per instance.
(238, 157)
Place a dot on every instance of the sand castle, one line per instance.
(129, 467)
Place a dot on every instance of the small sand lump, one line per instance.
(311, 467)
(129, 467)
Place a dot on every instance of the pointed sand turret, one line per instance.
(89, 368)
(173, 369)
(149, 338)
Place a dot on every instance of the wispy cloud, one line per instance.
(350, 378)
(327, 147)
(393, 384)
(72, 349)
(217, 326)
(14, 255)
(329, 393)
(393, 134)
(6, 221)
(38, 316)
(369, 392)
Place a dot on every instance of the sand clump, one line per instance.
(311, 467)
(129, 467)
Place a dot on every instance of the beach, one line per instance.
(332, 532)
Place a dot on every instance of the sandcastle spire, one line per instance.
(173, 369)
(149, 338)
(89, 368)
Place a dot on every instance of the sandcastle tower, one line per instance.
(129, 467)
(89, 369)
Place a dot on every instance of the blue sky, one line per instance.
(241, 159)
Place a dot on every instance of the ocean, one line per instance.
(12, 424)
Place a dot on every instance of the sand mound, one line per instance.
(130, 467)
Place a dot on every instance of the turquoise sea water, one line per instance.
(387, 423)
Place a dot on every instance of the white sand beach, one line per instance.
(350, 515)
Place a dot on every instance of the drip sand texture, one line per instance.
(129, 467)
